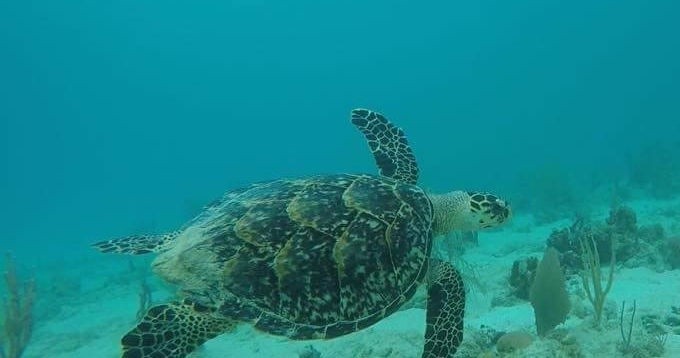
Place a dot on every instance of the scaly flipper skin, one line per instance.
(388, 144)
(136, 244)
(445, 311)
(173, 330)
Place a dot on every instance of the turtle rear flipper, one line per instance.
(137, 244)
(445, 311)
(388, 144)
(173, 330)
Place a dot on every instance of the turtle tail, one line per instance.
(137, 244)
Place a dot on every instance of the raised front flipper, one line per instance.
(137, 244)
(445, 311)
(388, 144)
(173, 330)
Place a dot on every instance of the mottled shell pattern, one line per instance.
(308, 258)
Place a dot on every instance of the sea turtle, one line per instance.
(312, 258)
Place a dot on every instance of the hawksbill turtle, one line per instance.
(312, 258)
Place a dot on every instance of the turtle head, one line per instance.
(488, 209)
(467, 210)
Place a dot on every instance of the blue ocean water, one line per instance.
(128, 116)
(125, 114)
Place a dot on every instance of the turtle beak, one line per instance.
(500, 210)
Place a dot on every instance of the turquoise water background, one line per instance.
(128, 116)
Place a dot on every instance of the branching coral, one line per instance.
(592, 274)
(17, 313)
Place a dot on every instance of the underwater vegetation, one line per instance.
(583, 259)
(16, 313)
(591, 274)
(652, 345)
(619, 238)
(548, 294)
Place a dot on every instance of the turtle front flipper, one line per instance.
(445, 311)
(137, 244)
(173, 330)
(388, 143)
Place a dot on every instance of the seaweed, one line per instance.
(16, 316)
(591, 275)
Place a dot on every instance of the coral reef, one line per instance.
(672, 320)
(635, 245)
(522, 276)
(513, 341)
(479, 342)
(487, 342)
(622, 219)
(16, 315)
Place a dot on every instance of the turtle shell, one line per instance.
(316, 257)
